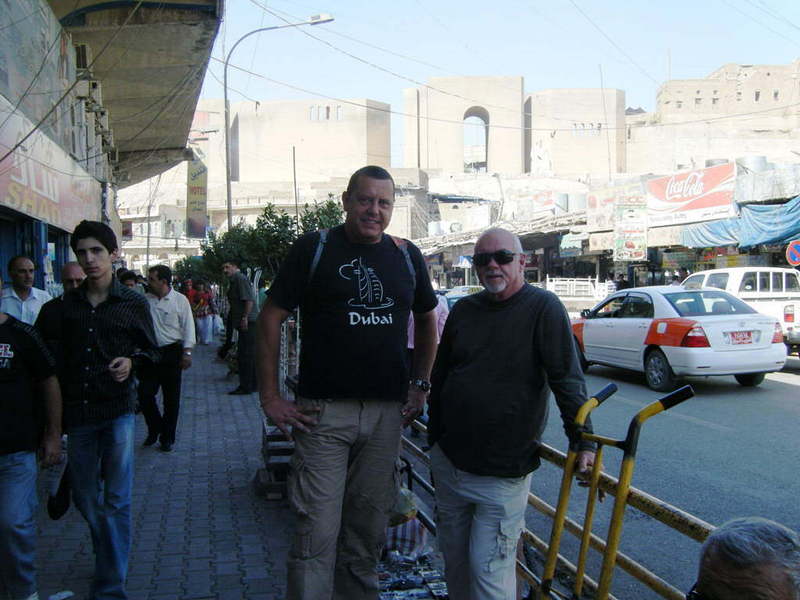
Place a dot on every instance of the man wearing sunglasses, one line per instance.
(749, 558)
(502, 351)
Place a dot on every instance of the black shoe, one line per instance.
(151, 439)
(239, 392)
(166, 447)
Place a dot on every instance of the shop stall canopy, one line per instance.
(756, 224)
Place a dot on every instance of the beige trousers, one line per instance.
(342, 485)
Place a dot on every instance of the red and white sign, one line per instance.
(39, 179)
(691, 196)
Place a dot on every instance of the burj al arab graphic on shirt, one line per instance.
(367, 286)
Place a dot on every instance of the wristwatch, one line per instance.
(422, 384)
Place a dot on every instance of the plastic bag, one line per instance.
(405, 507)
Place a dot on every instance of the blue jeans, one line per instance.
(17, 524)
(101, 470)
(478, 523)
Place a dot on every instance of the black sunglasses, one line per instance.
(501, 257)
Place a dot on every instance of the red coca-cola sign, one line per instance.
(691, 196)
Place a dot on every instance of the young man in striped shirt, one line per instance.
(107, 331)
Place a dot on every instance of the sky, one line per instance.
(376, 48)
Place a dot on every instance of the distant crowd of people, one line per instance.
(81, 363)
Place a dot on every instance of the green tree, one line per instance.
(265, 245)
(322, 215)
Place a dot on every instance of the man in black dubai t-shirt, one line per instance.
(30, 420)
(355, 287)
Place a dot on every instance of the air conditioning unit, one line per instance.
(102, 121)
(108, 140)
(96, 91)
(82, 89)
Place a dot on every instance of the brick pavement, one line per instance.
(199, 530)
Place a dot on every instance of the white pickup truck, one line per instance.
(773, 291)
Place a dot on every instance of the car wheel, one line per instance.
(750, 379)
(658, 373)
(582, 357)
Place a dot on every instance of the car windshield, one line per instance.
(706, 303)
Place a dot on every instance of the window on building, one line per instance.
(714, 101)
(678, 104)
(757, 95)
(327, 113)
(311, 113)
(698, 101)
(775, 95)
(339, 112)
(738, 96)
(476, 140)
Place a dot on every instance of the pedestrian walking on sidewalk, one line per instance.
(355, 287)
(502, 351)
(242, 317)
(204, 308)
(174, 328)
(21, 300)
(30, 420)
(107, 331)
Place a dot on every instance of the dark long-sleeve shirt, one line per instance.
(496, 365)
(88, 340)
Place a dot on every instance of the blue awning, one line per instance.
(757, 224)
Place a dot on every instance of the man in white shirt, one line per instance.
(174, 326)
(21, 300)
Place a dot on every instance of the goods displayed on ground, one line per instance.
(402, 579)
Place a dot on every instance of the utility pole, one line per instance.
(296, 203)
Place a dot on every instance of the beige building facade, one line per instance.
(578, 133)
(434, 125)
(738, 110)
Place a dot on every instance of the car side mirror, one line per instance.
(585, 313)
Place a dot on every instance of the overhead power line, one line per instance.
(547, 129)
(378, 67)
(74, 83)
(613, 43)
(761, 23)
(56, 40)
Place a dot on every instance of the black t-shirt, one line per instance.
(24, 360)
(354, 314)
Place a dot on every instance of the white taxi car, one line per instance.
(670, 331)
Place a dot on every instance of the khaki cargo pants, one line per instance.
(342, 485)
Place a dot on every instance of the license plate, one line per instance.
(740, 337)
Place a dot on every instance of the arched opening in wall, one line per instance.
(476, 140)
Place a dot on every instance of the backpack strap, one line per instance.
(402, 245)
(323, 237)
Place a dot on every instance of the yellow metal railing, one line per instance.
(671, 516)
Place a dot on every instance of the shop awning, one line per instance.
(757, 224)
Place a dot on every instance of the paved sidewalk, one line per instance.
(199, 530)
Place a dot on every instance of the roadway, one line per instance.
(730, 451)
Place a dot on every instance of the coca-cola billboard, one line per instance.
(691, 196)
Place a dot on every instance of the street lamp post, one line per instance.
(315, 20)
